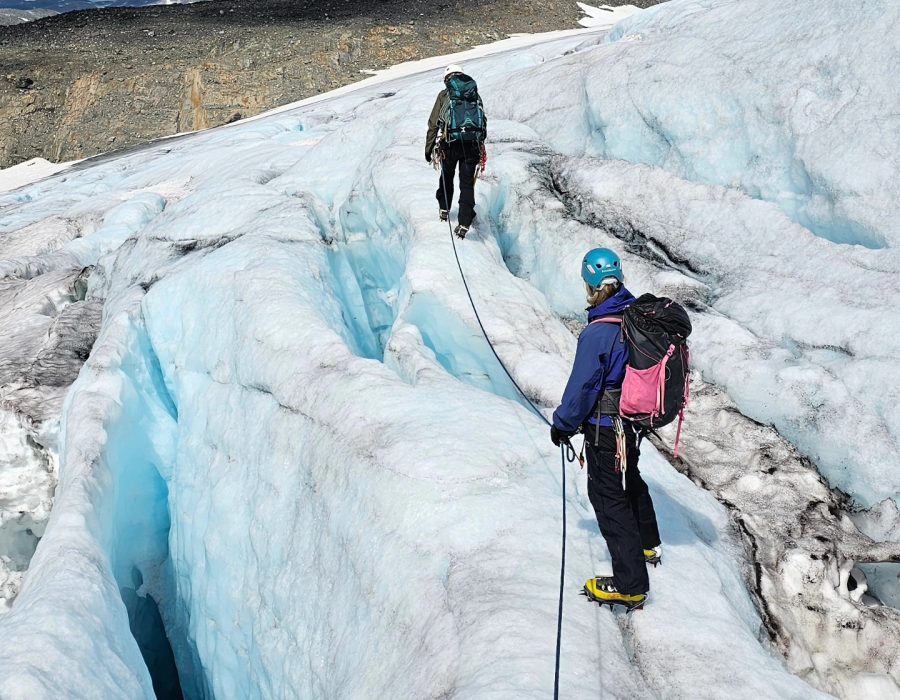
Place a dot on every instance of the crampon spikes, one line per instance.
(630, 606)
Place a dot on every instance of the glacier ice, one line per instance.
(805, 369)
(291, 465)
(807, 129)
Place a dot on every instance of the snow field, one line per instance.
(27, 172)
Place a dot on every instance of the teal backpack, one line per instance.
(464, 119)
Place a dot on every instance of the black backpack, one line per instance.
(464, 118)
(656, 387)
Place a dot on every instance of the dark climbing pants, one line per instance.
(467, 156)
(626, 517)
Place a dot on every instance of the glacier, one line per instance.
(290, 466)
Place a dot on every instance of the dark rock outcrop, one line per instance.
(83, 83)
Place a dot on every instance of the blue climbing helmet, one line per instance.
(600, 264)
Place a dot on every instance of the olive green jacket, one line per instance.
(435, 121)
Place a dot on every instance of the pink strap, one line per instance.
(686, 355)
(606, 319)
(661, 391)
(678, 432)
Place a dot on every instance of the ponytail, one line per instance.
(597, 295)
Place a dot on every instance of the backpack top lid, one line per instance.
(461, 87)
(659, 315)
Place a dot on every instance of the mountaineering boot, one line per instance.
(461, 231)
(653, 556)
(602, 590)
(601, 581)
(444, 214)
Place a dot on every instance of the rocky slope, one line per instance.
(83, 83)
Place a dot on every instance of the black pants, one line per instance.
(626, 517)
(467, 156)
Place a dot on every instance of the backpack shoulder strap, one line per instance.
(612, 319)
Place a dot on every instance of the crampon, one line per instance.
(600, 589)
(653, 556)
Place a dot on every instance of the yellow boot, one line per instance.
(653, 556)
(602, 590)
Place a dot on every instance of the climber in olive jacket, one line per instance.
(467, 156)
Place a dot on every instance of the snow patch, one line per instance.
(30, 171)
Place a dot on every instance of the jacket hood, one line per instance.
(616, 304)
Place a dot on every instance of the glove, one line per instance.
(428, 156)
(558, 436)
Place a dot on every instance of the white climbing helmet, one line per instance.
(451, 69)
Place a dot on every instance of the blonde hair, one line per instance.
(597, 295)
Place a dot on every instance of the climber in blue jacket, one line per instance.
(616, 490)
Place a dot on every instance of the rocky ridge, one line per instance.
(88, 82)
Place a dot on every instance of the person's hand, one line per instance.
(558, 436)
(428, 156)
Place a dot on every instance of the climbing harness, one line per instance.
(566, 451)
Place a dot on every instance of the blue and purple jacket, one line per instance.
(599, 365)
